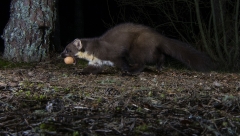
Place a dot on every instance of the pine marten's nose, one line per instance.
(64, 54)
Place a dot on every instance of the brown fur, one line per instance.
(130, 47)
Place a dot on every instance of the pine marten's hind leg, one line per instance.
(121, 63)
(136, 68)
(137, 60)
(160, 62)
(128, 69)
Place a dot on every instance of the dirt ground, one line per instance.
(51, 98)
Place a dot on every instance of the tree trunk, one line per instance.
(28, 31)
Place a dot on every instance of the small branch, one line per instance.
(202, 31)
(236, 55)
(224, 33)
(219, 52)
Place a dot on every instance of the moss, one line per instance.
(3, 63)
(143, 128)
(48, 126)
(7, 64)
(76, 133)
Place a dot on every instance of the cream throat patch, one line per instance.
(92, 60)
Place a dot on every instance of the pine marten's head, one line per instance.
(76, 49)
(72, 49)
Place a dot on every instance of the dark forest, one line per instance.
(85, 67)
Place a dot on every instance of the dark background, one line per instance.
(4, 16)
(95, 19)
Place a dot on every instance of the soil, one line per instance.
(52, 98)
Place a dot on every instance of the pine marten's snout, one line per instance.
(64, 54)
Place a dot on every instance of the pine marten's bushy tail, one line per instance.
(186, 54)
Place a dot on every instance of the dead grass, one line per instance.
(51, 99)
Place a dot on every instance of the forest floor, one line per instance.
(50, 98)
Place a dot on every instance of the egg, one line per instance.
(68, 60)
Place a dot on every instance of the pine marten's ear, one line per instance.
(78, 44)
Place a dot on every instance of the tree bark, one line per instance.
(28, 31)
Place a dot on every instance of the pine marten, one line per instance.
(132, 46)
